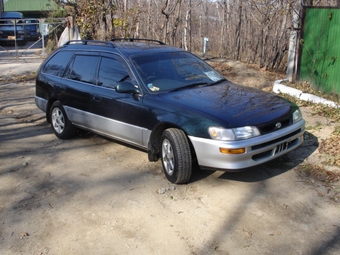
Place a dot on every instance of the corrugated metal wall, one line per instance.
(320, 48)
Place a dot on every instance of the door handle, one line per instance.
(97, 98)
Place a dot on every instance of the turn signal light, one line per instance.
(233, 151)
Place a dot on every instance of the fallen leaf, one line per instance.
(247, 233)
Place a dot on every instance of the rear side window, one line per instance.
(57, 64)
(111, 71)
(83, 68)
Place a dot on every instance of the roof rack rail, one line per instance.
(137, 39)
(91, 42)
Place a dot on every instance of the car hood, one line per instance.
(232, 104)
(9, 27)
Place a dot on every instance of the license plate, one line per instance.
(11, 37)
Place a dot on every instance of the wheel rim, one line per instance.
(58, 120)
(168, 157)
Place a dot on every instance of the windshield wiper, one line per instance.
(217, 82)
(197, 84)
(124, 78)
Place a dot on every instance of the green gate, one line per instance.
(320, 48)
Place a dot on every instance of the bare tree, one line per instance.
(254, 31)
(167, 10)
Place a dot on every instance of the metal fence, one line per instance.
(26, 38)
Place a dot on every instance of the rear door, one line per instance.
(78, 82)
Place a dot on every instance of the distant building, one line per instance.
(30, 8)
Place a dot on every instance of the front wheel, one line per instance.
(176, 156)
(61, 125)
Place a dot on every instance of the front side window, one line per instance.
(111, 71)
(57, 64)
(83, 68)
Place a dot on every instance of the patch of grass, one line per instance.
(318, 173)
(336, 131)
(330, 179)
(330, 147)
(317, 127)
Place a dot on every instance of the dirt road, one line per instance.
(92, 195)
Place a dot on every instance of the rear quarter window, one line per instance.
(57, 64)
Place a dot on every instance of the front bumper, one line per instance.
(258, 150)
(5, 38)
(32, 35)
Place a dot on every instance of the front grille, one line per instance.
(8, 33)
(279, 148)
(282, 147)
(259, 146)
(271, 127)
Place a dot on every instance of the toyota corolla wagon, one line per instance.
(166, 101)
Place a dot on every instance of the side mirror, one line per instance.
(127, 87)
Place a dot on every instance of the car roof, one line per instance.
(12, 15)
(127, 46)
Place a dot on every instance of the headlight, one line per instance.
(233, 134)
(297, 116)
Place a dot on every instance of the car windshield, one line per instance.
(9, 22)
(174, 71)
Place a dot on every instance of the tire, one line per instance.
(60, 124)
(176, 156)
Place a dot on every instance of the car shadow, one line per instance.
(257, 173)
(269, 169)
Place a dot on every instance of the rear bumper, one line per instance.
(258, 150)
(41, 103)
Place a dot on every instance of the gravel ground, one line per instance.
(92, 195)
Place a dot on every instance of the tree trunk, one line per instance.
(187, 18)
(238, 33)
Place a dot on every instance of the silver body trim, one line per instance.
(131, 134)
(209, 155)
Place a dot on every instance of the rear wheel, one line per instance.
(176, 156)
(61, 125)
